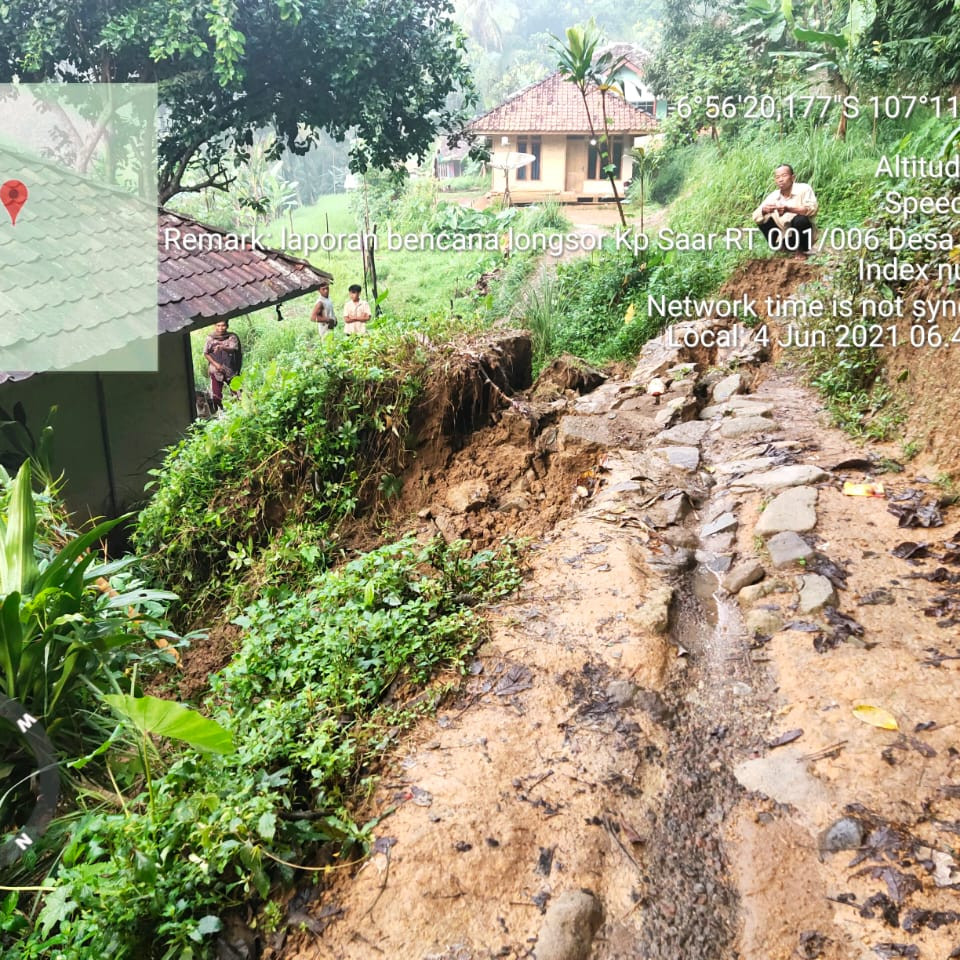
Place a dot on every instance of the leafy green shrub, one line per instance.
(670, 177)
(544, 217)
(63, 625)
(305, 701)
(456, 218)
(306, 443)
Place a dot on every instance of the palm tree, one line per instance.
(579, 64)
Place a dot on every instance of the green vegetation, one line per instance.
(226, 71)
(293, 458)
(307, 704)
(71, 627)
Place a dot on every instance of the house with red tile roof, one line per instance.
(111, 427)
(548, 121)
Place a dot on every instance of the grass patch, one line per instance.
(306, 703)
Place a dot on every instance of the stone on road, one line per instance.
(788, 547)
(815, 593)
(569, 927)
(794, 475)
(794, 509)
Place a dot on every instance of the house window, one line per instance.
(529, 145)
(595, 162)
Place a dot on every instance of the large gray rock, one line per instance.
(588, 433)
(727, 387)
(748, 465)
(794, 509)
(794, 475)
(684, 458)
(684, 434)
(815, 593)
(568, 929)
(788, 547)
(742, 426)
(743, 575)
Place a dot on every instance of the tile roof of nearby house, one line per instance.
(202, 278)
(634, 56)
(554, 105)
(75, 270)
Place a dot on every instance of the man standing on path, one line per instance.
(356, 312)
(224, 357)
(786, 216)
(323, 315)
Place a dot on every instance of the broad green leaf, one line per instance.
(835, 40)
(165, 718)
(209, 924)
(267, 825)
(11, 643)
(57, 906)
(18, 569)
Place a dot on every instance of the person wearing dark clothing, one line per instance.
(224, 357)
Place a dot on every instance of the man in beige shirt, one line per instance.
(356, 312)
(786, 216)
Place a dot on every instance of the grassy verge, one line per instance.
(158, 874)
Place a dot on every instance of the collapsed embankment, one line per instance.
(664, 750)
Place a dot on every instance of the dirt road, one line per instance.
(719, 721)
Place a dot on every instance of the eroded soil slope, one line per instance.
(718, 721)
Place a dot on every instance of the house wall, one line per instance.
(563, 165)
(144, 413)
(553, 158)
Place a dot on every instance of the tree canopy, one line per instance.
(389, 71)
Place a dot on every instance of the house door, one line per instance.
(576, 170)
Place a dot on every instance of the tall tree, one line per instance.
(588, 71)
(383, 70)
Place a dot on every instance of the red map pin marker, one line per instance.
(13, 195)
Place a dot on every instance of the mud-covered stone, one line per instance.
(621, 692)
(654, 615)
(568, 929)
(567, 373)
(469, 496)
(766, 622)
(844, 834)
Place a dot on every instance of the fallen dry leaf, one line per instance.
(875, 716)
